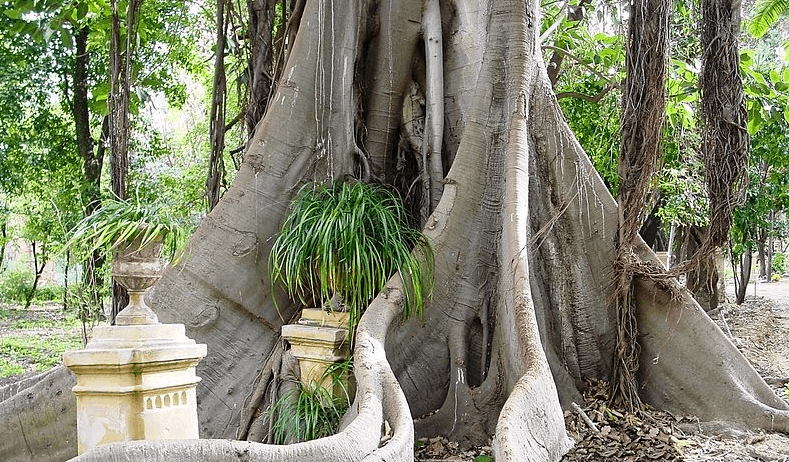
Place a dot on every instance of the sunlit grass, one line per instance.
(40, 349)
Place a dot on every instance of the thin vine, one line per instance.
(643, 114)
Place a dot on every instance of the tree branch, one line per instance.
(592, 99)
(579, 61)
(235, 120)
(559, 19)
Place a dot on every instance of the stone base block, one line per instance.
(136, 382)
(316, 348)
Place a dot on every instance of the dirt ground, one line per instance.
(759, 328)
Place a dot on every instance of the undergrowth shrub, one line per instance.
(779, 263)
(15, 284)
(48, 293)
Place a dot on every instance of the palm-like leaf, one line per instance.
(348, 239)
(768, 12)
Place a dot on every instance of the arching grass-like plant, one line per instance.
(346, 240)
(311, 411)
(121, 221)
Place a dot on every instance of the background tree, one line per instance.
(524, 238)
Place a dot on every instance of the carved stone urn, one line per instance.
(137, 267)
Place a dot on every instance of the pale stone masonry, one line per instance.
(136, 382)
(319, 339)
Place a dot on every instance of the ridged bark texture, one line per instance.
(524, 239)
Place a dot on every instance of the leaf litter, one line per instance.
(759, 328)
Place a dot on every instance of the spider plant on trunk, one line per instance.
(344, 241)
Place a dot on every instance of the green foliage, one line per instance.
(167, 170)
(81, 298)
(119, 221)
(591, 61)
(779, 263)
(768, 189)
(768, 12)
(347, 240)
(766, 87)
(684, 197)
(600, 140)
(48, 293)
(483, 458)
(15, 284)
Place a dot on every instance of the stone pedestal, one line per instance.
(136, 382)
(318, 339)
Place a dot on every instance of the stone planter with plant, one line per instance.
(136, 233)
(339, 246)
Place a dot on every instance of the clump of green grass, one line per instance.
(26, 353)
(16, 318)
(311, 411)
(305, 414)
(8, 368)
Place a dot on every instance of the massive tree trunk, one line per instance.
(524, 238)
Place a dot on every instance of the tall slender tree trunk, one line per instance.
(66, 280)
(672, 234)
(92, 158)
(724, 140)
(702, 281)
(3, 239)
(260, 71)
(742, 275)
(761, 244)
(38, 269)
(121, 57)
(643, 113)
(770, 246)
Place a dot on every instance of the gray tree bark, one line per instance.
(524, 239)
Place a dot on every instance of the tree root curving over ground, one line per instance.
(523, 235)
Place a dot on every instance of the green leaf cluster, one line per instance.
(306, 413)
(120, 221)
(347, 240)
(768, 12)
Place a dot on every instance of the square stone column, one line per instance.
(317, 340)
(136, 382)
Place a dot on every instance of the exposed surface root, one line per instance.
(379, 403)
